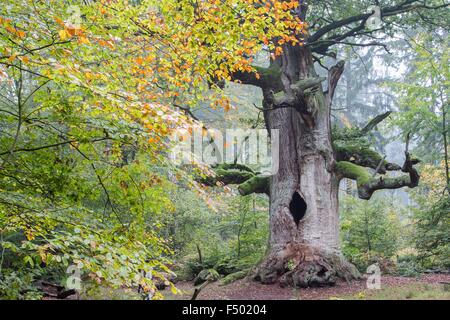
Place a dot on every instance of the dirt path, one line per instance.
(248, 290)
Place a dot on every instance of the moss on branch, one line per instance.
(257, 184)
(362, 155)
(358, 134)
(367, 184)
(249, 181)
(296, 98)
(236, 166)
(353, 171)
(267, 78)
(308, 83)
(230, 176)
(270, 77)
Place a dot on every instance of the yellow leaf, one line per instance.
(89, 75)
(29, 234)
(63, 34)
(12, 58)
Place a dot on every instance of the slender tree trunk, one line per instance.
(366, 224)
(444, 135)
(304, 220)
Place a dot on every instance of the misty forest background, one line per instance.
(85, 183)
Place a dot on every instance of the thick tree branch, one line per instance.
(368, 184)
(361, 132)
(228, 174)
(323, 45)
(385, 12)
(266, 78)
(187, 111)
(235, 166)
(349, 147)
(362, 156)
(334, 74)
(306, 84)
(295, 99)
(249, 181)
(231, 176)
(374, 122)
(257, 184)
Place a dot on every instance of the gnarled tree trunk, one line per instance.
(304, 219)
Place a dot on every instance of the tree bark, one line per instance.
(304, 219)
(304, 245)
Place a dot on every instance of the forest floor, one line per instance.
(430, 286)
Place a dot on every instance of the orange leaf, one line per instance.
(83, 40)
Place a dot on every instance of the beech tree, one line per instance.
(148, 62)
(304, 218)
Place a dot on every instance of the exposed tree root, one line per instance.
(301, 266)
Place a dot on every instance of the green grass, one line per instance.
(406, 292)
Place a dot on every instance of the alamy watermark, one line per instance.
(374, 277)
(197, 145)
(74, 20)
(374, 22)
(73, 281)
